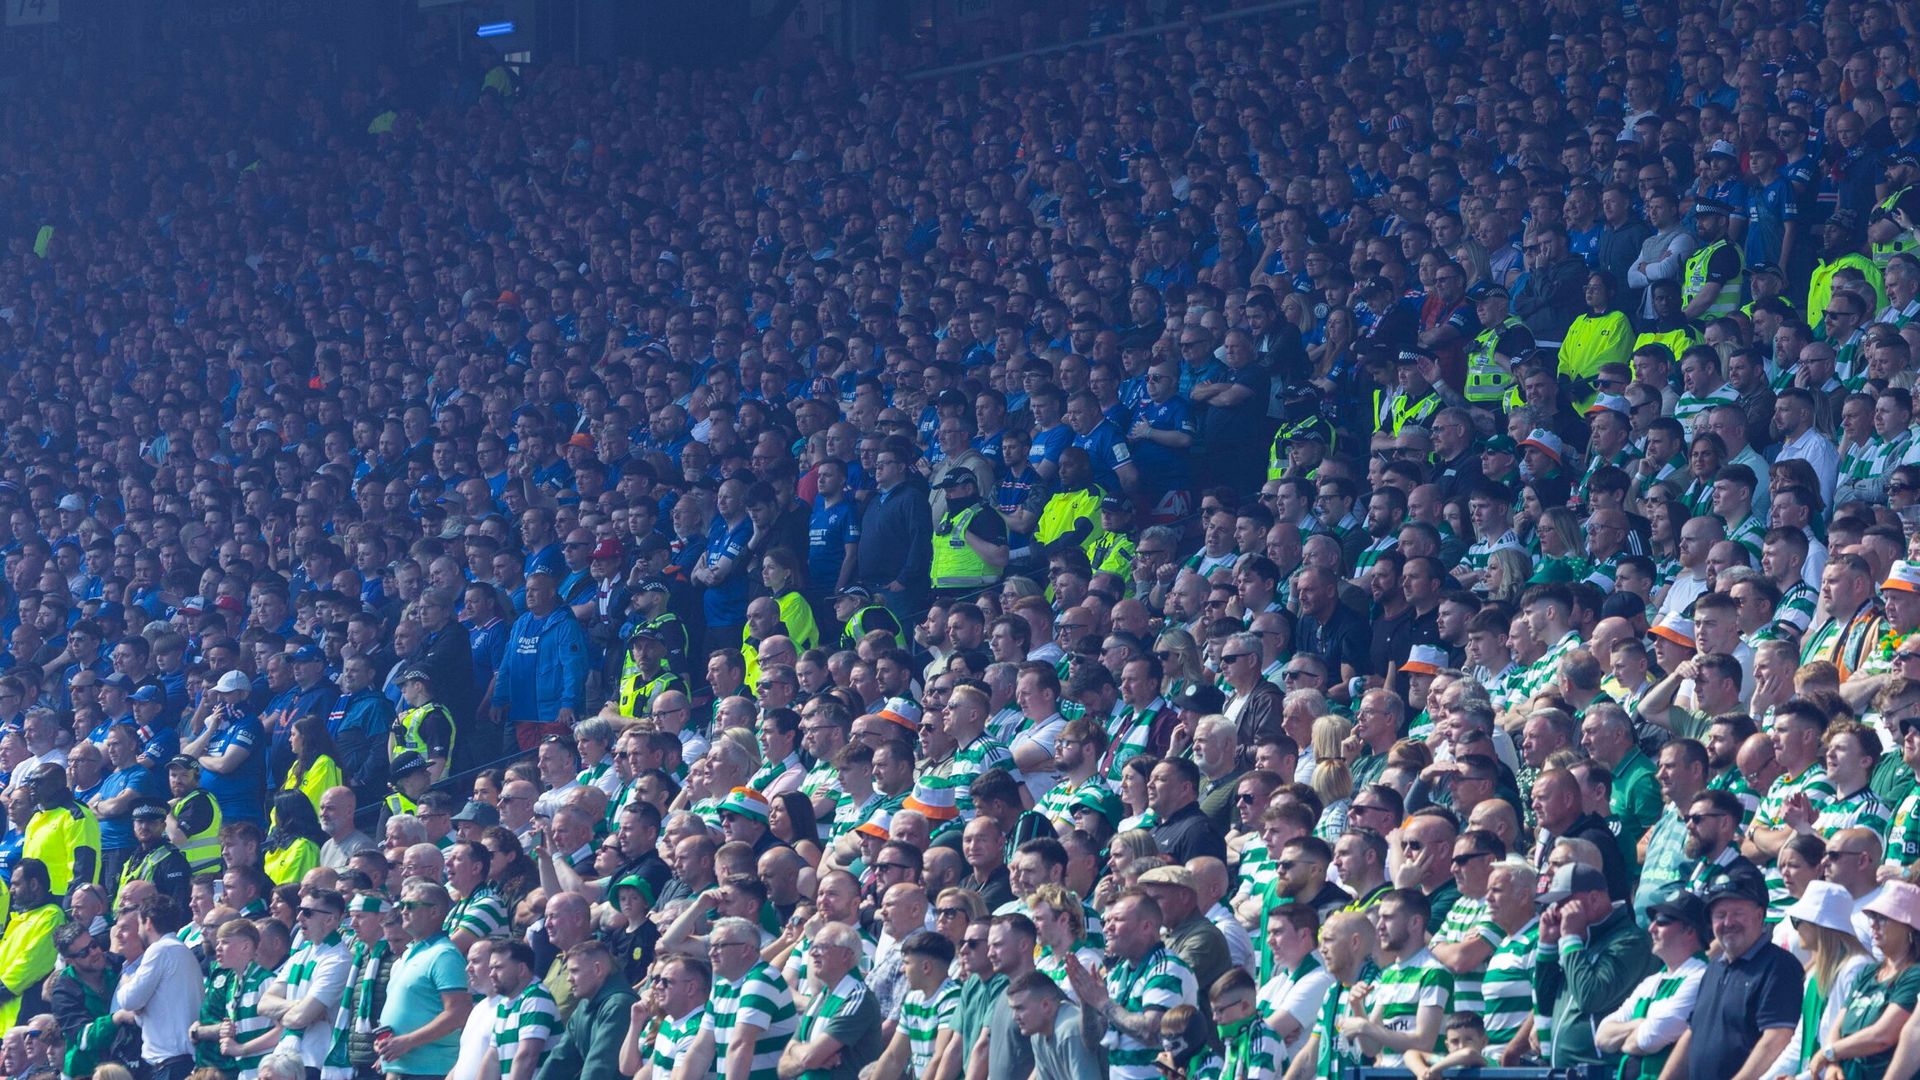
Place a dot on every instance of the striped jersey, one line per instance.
(1403, 989)
(844, 999)
(1506, 986)
(243, 1008)
(1159, 980)
(1057, 804)
(530, 1014)
(1860, 810)
(760, 998)
(1903, 843)
(481, 914)
(1771, 814)
(1664, 1001)
(1337, 1052)
(922, 1017)
(675, 1038)
(1466, 921)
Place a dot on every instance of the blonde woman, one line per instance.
(1332, 781)
(1180, 663)
(1507, 572)
(1821, 920)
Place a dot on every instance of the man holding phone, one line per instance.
(427, 1000)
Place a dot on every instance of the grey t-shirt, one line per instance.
(1065, 1053)
(1008, 1053)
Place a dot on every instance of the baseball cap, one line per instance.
(233, 682)
(149, 693)
(1202, 699)
(607, 549)
(118, 682)
(478, 813)
(1739, 883)
(1569, 880)
(1683, 907)
(309, 654)
(1547, 443)
(1499, 444)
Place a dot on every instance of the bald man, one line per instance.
(1210, 885)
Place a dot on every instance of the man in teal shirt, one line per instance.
(1663, 857)
(427, 998)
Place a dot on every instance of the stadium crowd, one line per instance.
(1239, 553)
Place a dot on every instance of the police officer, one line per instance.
(1490, 356)
(1889, 227)
(410, 781)
(156, 860)
(424, 726)
(195, 828)
(1112, 551)
(1414, 398)
(969, 540)
(650, 607)
(1710, 283)
(860, 616)
(647, 673)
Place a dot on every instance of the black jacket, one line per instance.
(1593, 828)
(1551, 298)
(896, 539)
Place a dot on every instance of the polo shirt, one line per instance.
(1738, 1000)
(425, 971)
(1188, 833)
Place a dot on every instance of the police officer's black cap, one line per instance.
(407, 762)
(150, 811)
(1706, 205)
(857, 592)
(1486, 290)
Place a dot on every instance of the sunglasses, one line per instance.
(413, 905)
(312, 913)
(1234, 658)
(891, 866)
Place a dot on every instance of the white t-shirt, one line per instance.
(478, 1059)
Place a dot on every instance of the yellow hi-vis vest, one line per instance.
(1402, 413)
(410, 723)
(1904, 241)
(1695, 279)
(955, 564)
(202, 849)
(1488, 377)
